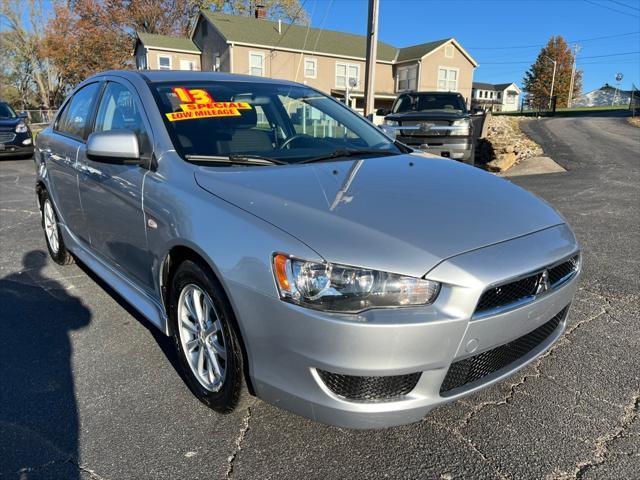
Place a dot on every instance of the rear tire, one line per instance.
(55, 244)
(207, 344)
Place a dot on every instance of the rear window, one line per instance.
(422, 102)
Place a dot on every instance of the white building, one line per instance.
(602, 97)
(503, 97)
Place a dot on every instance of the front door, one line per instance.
(112, 194)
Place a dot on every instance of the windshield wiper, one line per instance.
(235, 159)
(348, 152)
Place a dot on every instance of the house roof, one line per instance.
(497, 87)
(415, 52)
(245, 29)
(166, 42)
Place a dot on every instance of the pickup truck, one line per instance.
(434, 122)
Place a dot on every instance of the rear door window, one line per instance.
(77, 113)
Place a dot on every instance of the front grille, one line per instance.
(425, 131)
(526, 288)
(479, 366)
(368, 389)
(559, 272)
(6, 137)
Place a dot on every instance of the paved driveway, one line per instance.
(89, 390)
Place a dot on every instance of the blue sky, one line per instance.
(482, 25)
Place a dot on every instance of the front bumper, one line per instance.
(16, 145)
(456, 148)
(290, 347)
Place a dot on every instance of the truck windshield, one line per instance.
(421, 102)
(279, 122)
(6, 111)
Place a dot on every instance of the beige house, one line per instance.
(328, 60)
(161, 52)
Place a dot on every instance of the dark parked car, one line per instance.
(435, 122)
(15, 134)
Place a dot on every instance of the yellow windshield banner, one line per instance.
(197, 103)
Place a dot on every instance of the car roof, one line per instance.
(190, 76)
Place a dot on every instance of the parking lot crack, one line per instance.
(601, 444)
(471, 444)
(535, 367)
(244, 428)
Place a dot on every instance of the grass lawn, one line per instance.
(567, 112)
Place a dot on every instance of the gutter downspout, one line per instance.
(146, 58)
(419, 76)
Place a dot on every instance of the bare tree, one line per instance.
(23, 32)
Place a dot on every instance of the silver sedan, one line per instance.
(295, 252)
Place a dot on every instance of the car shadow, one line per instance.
(164, 342)
(39, 420)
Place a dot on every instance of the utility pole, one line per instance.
(553, 80)
(372, 50)
(576, 49)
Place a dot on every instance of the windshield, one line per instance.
(421, 102)
(6, 111)
(285, 123)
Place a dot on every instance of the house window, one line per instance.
(310, 67)
(164, 62)
(499, 95)
(448, 79)
(408, 78)
(448, 51)
(511, 97)
(187, 65)
(346, 72)
(256, 64)
(491, 95)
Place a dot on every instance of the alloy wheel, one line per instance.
(202, 337)
(51, 227)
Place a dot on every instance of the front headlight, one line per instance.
(340, 288)
(390, 128)
(461, 127)
(21, 127)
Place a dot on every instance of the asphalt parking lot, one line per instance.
(90, 391)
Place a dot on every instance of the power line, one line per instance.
(568, 41)
(626, 5)
(592, 56)
(612, 9)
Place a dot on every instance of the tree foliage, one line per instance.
(89, 36)
(537, 80)
(27, 75)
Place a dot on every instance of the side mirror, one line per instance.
(23, 114)
(382, 112)
(369, 117)
(114, 146)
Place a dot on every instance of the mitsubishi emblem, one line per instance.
(543, 283)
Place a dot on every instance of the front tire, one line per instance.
(207, 345)
(55, 244)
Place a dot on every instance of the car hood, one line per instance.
(402, 214)
(9, 122)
